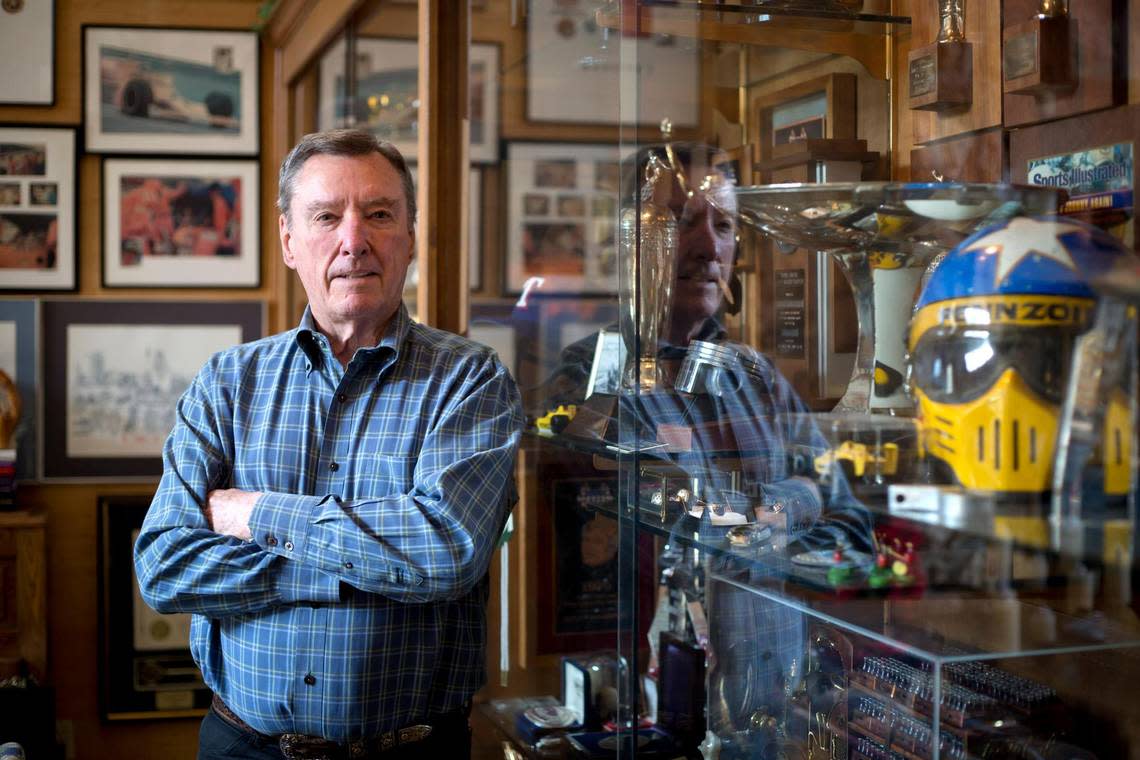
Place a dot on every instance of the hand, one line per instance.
(229, 509)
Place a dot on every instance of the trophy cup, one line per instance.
(884, 235)
(942, 75)
(649, 256)
(1038, 55)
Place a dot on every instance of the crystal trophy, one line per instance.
(884, 235)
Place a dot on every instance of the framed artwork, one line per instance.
(815, 109)
(37, 208)
(170, 90)
(387, 94)
(18, 328)
(113, 374)
(578, 565)
(575, 70)
(179, 223)
(562, 218)
(146, 670)
(27, 37)
(609, 362)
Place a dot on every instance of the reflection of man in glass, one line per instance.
(736, 439)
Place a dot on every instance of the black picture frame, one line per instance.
(76, 333)
(146, 670)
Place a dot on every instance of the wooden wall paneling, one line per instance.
(1097, 81)
(977, 157)
(1133, 51)
(901, 118)
(442, 194)
(983, 32)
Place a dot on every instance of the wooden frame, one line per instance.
(146, 669)
(38, 182)
(147, 90)
(19, 333)
(553, 232)
(27, 37)
(110, 417)
(399, 58)
(830, 97)
(204, 243)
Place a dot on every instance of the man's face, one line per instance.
(706, 245)
(349, 239)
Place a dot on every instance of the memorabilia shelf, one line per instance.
(860, 36)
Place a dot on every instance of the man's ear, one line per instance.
(286, 241)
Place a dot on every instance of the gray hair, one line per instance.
(341, 142)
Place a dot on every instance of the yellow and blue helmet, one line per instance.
(990, 345)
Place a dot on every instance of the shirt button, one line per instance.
(288, 546)
(347, 565)
(334, 466)
(271, 540)
(310, 679)
(341, 397)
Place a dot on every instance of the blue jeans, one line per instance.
(218, 740)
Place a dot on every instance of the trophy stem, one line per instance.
(857, 269)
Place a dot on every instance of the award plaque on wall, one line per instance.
(1059, 65)
(1096, 171)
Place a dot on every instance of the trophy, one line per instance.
(1038, 55)
(649, 255)
(942, 74)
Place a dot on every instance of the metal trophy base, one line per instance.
(884, 236)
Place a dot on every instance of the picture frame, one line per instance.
(146, 669)
(19, 332)
(565, 39)
(27, 38)
(610, 356)
(109, 419)
(146, 90)
(562, 203)
(38, 200)
(386, 79)
(177, 223)
(742, 159)
(818, 108)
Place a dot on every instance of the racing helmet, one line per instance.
(990, 345)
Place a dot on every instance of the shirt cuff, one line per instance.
(298, 582)
(280, 523)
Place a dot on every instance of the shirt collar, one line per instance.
(316, 345)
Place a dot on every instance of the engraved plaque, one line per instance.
(1019, 58)
(922, 76)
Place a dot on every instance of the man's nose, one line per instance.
(353, 237)
(698, 239)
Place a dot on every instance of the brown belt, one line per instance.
(305, 747)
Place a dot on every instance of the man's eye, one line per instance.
(382, 214)
(325, 216)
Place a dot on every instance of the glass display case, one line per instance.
(866, 407)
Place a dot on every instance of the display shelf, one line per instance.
(861, 36)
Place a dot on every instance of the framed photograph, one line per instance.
(178, 223)
(564, 40)
(18, 333)
(146, 670)
(27, 37)
(609, 362)
(37, 208)
(170, 90)
(113, 374)
(562, 220)
(815, 109)
(387, 92)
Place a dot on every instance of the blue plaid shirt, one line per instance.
(360, 604)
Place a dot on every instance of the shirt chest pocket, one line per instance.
(378, 475)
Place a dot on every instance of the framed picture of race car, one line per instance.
(180, 223)
(180, 91)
